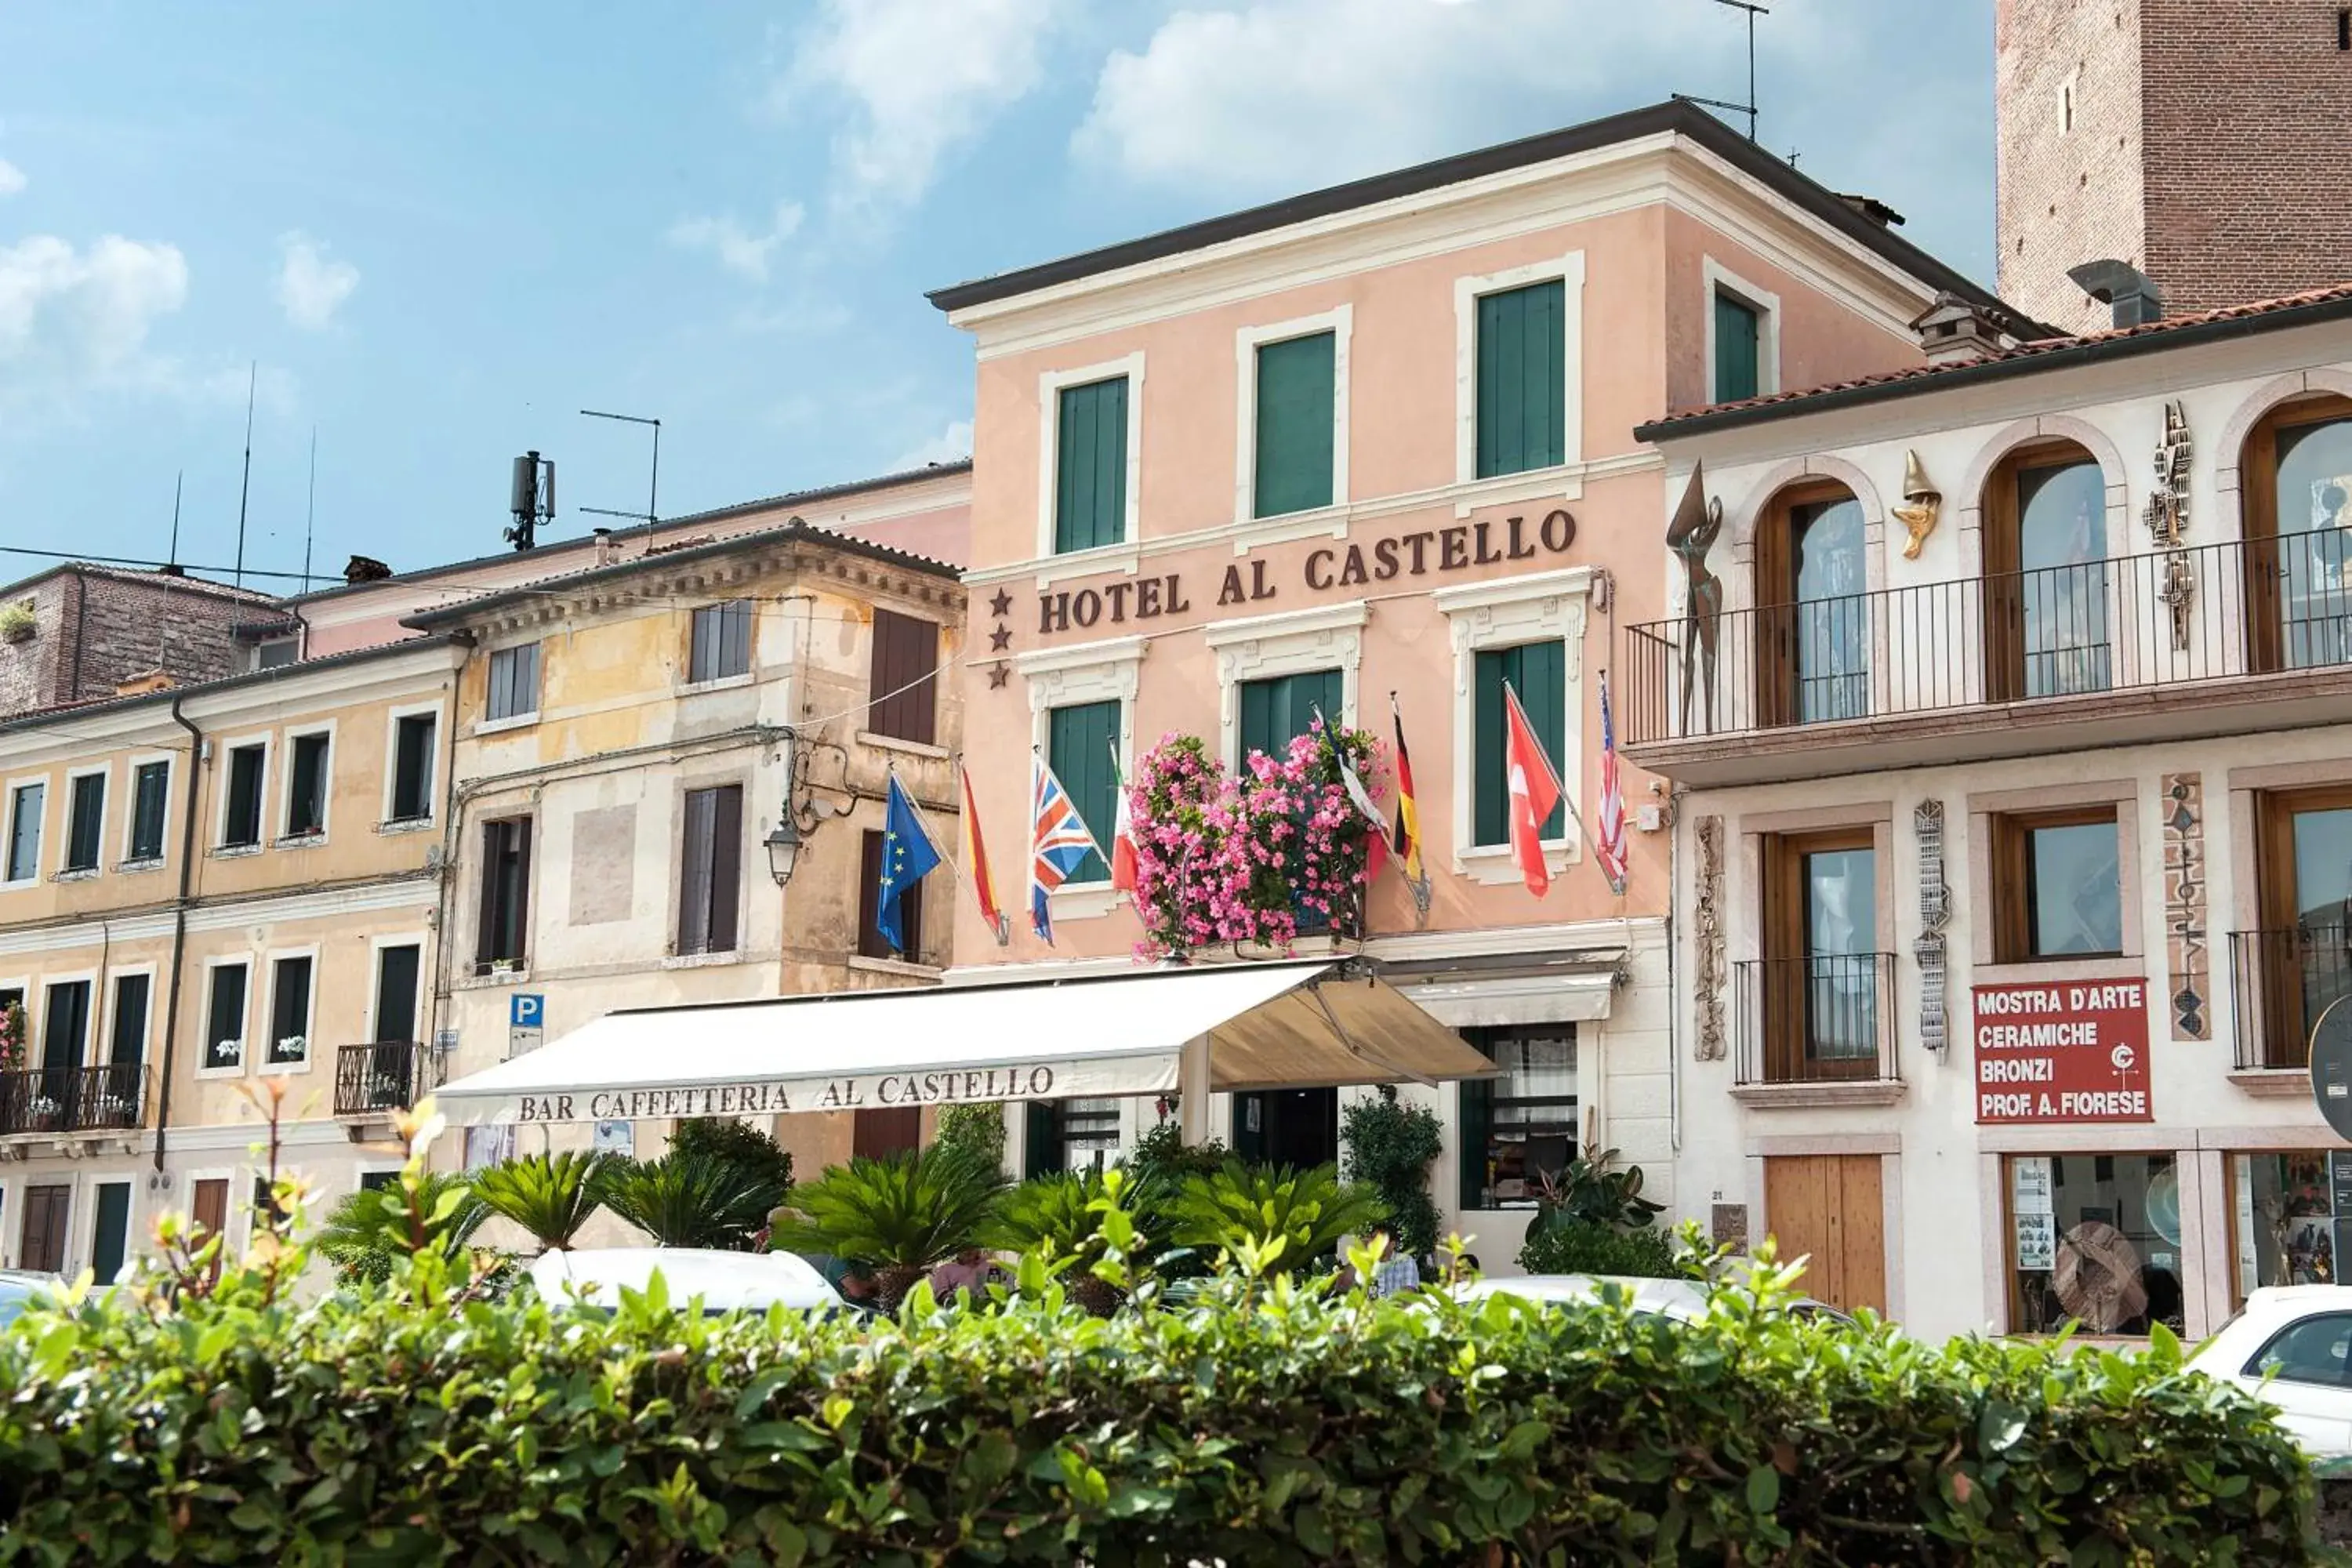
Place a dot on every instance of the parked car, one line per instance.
(726, 1281)
(17, 1289)
(1684, 1300)
(2292, 1346)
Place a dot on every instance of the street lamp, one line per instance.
(783, 846)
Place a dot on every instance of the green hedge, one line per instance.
(1273, 1426)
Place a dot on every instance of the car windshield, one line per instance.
(16, 1295)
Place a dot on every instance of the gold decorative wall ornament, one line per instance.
(1926, 504)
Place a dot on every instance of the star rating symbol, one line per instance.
(1000, 639)
(1002, 604)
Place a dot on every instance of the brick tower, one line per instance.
(2207, 142)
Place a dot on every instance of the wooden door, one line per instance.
(42, 1245)
(1830, 1207)
(880, 1134)
(209, 1210)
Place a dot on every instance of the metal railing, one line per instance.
(1826, 1018)
(72, 1099)
(378, 1079)
(2246, 608)
(2284, 981)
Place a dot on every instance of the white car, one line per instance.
(2292, 1347)
(19, 1287)
(726, 1281)
(1684, 1301)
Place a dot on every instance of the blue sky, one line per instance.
(441, 231)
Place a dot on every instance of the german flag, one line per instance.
(1404, 838)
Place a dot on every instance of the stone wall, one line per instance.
(96, 629)
(2064, 194)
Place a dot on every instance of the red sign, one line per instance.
(2062, 1051)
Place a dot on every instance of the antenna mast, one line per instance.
(310, 512)
(177, 479)
(1749, 108)
(244, 485)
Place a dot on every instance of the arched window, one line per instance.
(2045, 575)
(2296, 478)
(1813, 609)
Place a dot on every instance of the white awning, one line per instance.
(1291, 1024)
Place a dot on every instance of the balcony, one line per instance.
(1815, 1031)
(2223, 639)
(2284, 981)
(377, 1080)
(72, 1101)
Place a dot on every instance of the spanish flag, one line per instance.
(975, 861)
(1404, 839)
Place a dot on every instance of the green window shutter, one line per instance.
(1736, 331)
(1522, 379)
(1079, 748)
(1297, 411)
(1539, 673)
(1090, 487)
(1276, 711)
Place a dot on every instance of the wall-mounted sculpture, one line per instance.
(2167, 521)
(1707, 929)
(1925, 503)
(2187, 946)
(1692, 534)
(1935, 913)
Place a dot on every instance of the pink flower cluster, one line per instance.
(1221, 859)
(13, 1033)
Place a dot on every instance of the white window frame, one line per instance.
(439, 714)
(104, 770)
(38, 1022)
(376, 944)
(1467, 292)
(1247, 341)
(270, 1013)
(1721, 279)
(1049, 440)
(326, 788)
(1542, 606)
(489, 726)
(1071, 677)
(1264, 647)
(205, 1043)
(8, 827)
(226, 746)
(254, 665)
(130, 808)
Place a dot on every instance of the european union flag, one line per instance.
(908, 856)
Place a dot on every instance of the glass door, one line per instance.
(2307, 949)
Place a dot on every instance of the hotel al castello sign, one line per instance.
(1326, 569)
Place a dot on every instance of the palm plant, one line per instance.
(1286, 1218)
(689, 1199)
(898, 1217)
(1061, 1217)
(549, 1195)
(367, 1234)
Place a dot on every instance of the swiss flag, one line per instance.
(1535, 793)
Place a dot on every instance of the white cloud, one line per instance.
(11, 178)
(311, 286)
(70, 319)
(739, 250)
(921, 77)
(951, 444)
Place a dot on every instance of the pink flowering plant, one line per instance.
(1245, 860)
(13, 1030)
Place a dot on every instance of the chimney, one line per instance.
(1954, 331)
(1873, 209)
(605, 554)
(2122, 288)
(365, 569)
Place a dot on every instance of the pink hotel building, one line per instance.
(1379, 438)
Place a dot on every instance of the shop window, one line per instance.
(513, 683)
(2046, 576)
(151, 785)
(902, 700)
(24, 803)
(2295, 479)
(504, 932)
(2057, 886)
(1296, 417)
(241, 820)
(1522, 373)
(1813, 613)
(1819, 993)
(1091, 465)
(2286, 1212)
(2093, 1239)
(85, 822)
(1518, 1128)
(711, 872)
(1538, 672)
(411, 766)
(1079, 749)
(721, 642)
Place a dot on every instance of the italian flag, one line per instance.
(1122, 834)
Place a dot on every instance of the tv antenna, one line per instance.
(653, 489)
(1749, 108)
(244, 485)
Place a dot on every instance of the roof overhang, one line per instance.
(1315, 1023)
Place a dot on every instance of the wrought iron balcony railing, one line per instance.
(1827, 1018)
(2248, 607)
(378, 1079)
(2285, 980)
(72, 1099)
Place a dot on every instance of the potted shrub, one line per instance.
(897, 1217)
(17, 622)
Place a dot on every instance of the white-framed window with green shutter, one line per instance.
(1518, 347)
(1079, 741)
(1090, 437)
(1082, 711)
(1292, 391)
(1530, 632)
(1742, 332)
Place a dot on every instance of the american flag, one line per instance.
(1059, 843)
(1609, 842)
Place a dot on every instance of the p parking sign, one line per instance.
(526, 1021)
